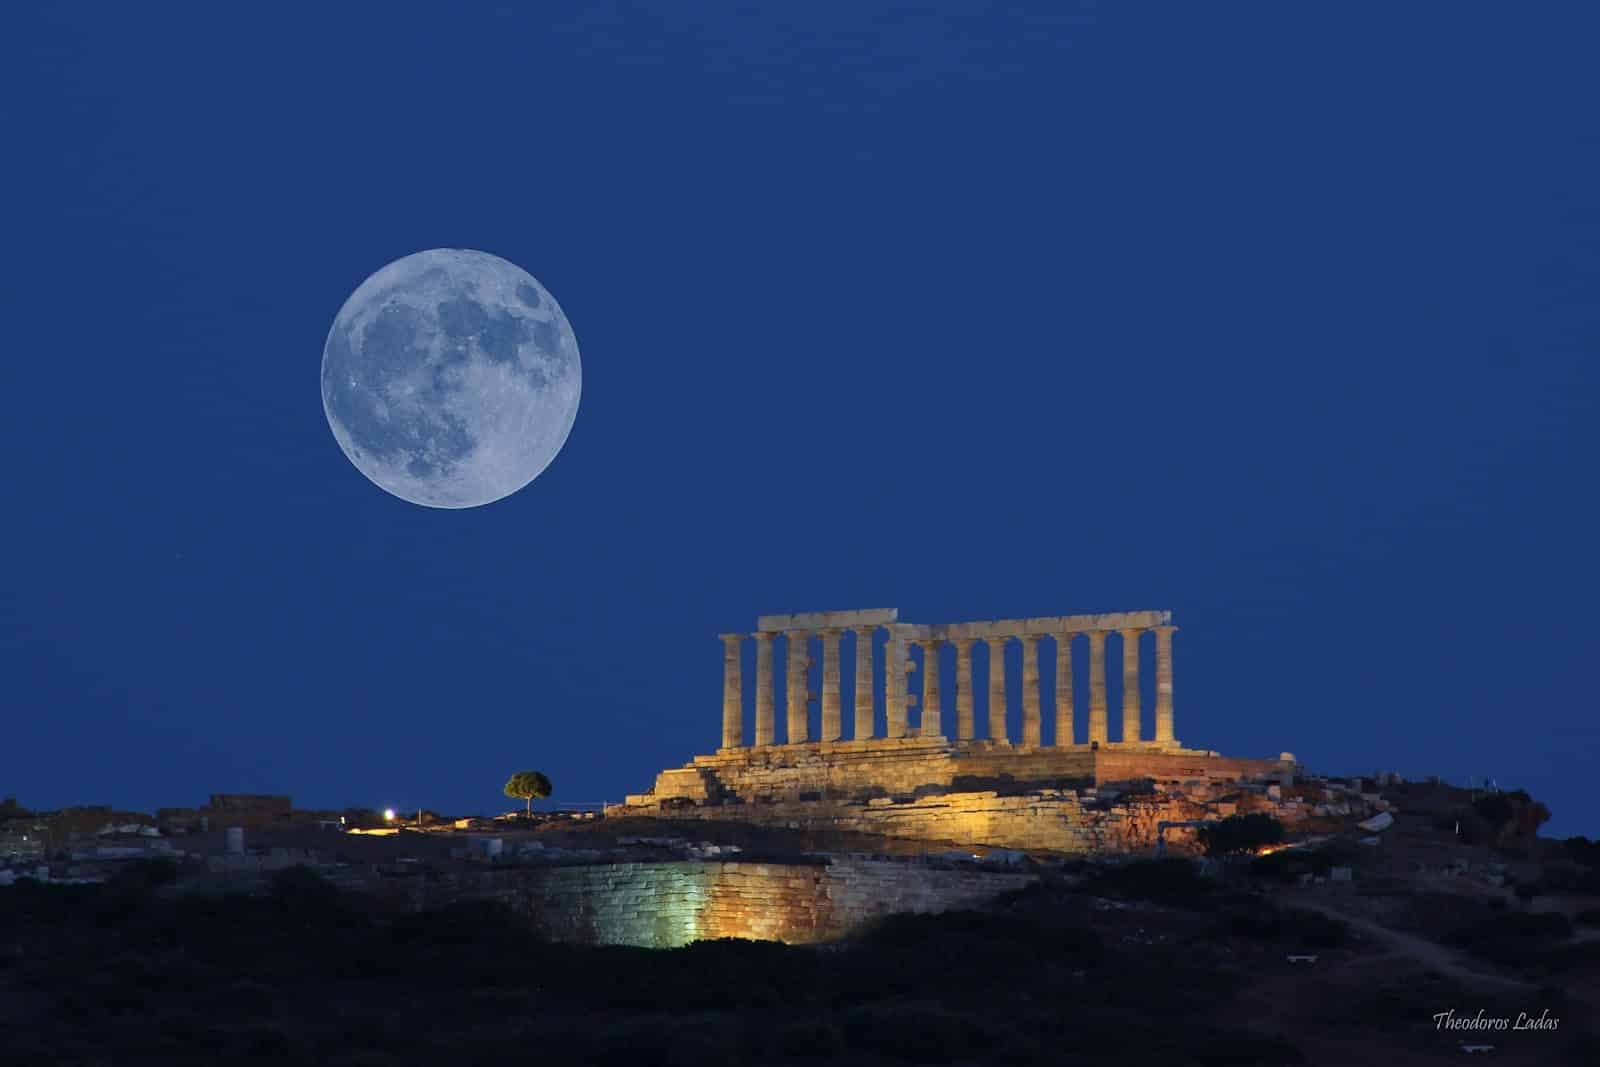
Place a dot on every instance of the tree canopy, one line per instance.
(528, 786)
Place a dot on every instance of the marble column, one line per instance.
(832, 727)
(764, 693)
(964, 727)
(864, 682)
(1066, 730)
(932, 713)
(1164, 684)
(894, 686)
(997, 690)
(1130, 686)
(794, 677)
(1097, 686)
(1032, 727)
(732, 692)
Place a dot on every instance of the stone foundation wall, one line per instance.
(966, 793)
(1045, 820)
(889, 767)
(1114, 765)
(826, 770)
(664, 905)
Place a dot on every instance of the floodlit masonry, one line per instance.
(828, 627)
(899, 774)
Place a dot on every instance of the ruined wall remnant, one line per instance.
(665, 905)
(922, 789)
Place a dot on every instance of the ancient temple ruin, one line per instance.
(899, 773)
(798, 633)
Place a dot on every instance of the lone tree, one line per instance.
(529, 786)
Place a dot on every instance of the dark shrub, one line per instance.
(1515, 938)
(28, 902)
(1399, 1002)
(1287, 865)
(1582, 850)
(1583, 956)
(1241, 833)
(300, 886)
(983, 935)
(919, 1032)
(1291, 926)
(1246, 1050)
(1470, 827)
(1166, 881)
(145, 874)
(810, 1038)
(735, 971)
(1527, 924)
(1312, 929)
(1566, 876)
(1513, 815)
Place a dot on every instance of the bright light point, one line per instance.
(388, 815)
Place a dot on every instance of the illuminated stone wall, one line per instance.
(664, 905)
(1046, 820)
(855, 769)
(964, 794)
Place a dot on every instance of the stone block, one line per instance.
(828, 620)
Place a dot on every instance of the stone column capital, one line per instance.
(1165, 631)
(764, 635)
(732, 638)
(1132, 631)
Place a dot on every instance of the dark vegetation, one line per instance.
(10, 809)
(133, 971)
(1140, 963)
(528, 786)
(1167, 881)
(1575, 870)
(1287, 865)
(1506, 820)
(1241, 833)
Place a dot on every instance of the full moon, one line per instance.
(450, 378)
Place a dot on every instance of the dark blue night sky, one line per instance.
(1284, 318)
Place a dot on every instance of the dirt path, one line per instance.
(1434, 956)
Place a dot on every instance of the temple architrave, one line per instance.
(892, 767)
